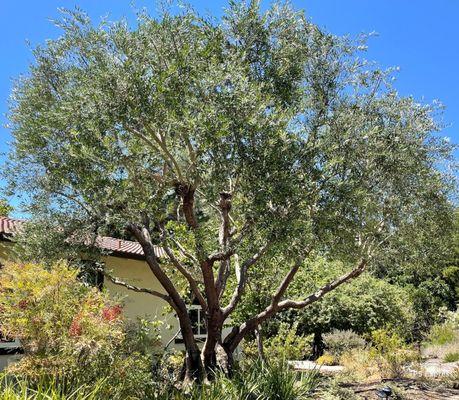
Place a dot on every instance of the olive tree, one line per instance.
(253, 140)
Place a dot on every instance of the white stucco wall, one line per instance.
(143, 305)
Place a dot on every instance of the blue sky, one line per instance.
(421, 37)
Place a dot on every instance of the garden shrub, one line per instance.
(360, 365)
(168, 367)
(326, 359)
(443, 339)
(72, 332)
(391, 353)
(264, 381)
(338, 342)
(287, 344)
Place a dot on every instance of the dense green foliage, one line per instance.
(110, 120)
(362, 306)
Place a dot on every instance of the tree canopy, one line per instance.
(255, 139)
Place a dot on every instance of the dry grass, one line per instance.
(442, 350)
(360, 365)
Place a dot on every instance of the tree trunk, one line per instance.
(193, 366)
(213, 340)
(217, 359)
(317, 345)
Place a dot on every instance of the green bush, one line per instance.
(287, 344)
(338, 342)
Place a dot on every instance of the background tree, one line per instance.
(257, 139)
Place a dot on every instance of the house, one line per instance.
(126, 261)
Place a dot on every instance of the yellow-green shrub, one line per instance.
(391, 353)
(69, 331)
(326, 359)
(49, 310)
(286, 345)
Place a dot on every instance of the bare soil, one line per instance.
(410, 389)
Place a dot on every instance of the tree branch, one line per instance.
(223, 237)
(143, 237)
(162, 144)
(183, 251)
(233, 340)
(239, 290)
(74, 199)
(186, 192)
(324, 289)
(182, 269)
(134, 288)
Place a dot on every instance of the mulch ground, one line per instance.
(412, 390)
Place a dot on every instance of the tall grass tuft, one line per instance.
(257, 381)
(13, 389)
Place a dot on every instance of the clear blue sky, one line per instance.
(419, 36)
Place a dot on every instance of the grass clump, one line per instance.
(14, 389)
(442, 334)
(451, 357)
(255, 381)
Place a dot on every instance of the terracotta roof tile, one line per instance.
(10, 226)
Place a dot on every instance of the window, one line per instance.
(198, 323)
(197, 320)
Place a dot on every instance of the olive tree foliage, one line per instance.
(232, 143)
(5, 208)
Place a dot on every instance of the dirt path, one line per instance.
(436, 367)
(411, 389)
(431, 367)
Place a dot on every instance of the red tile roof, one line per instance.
(10, 226)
